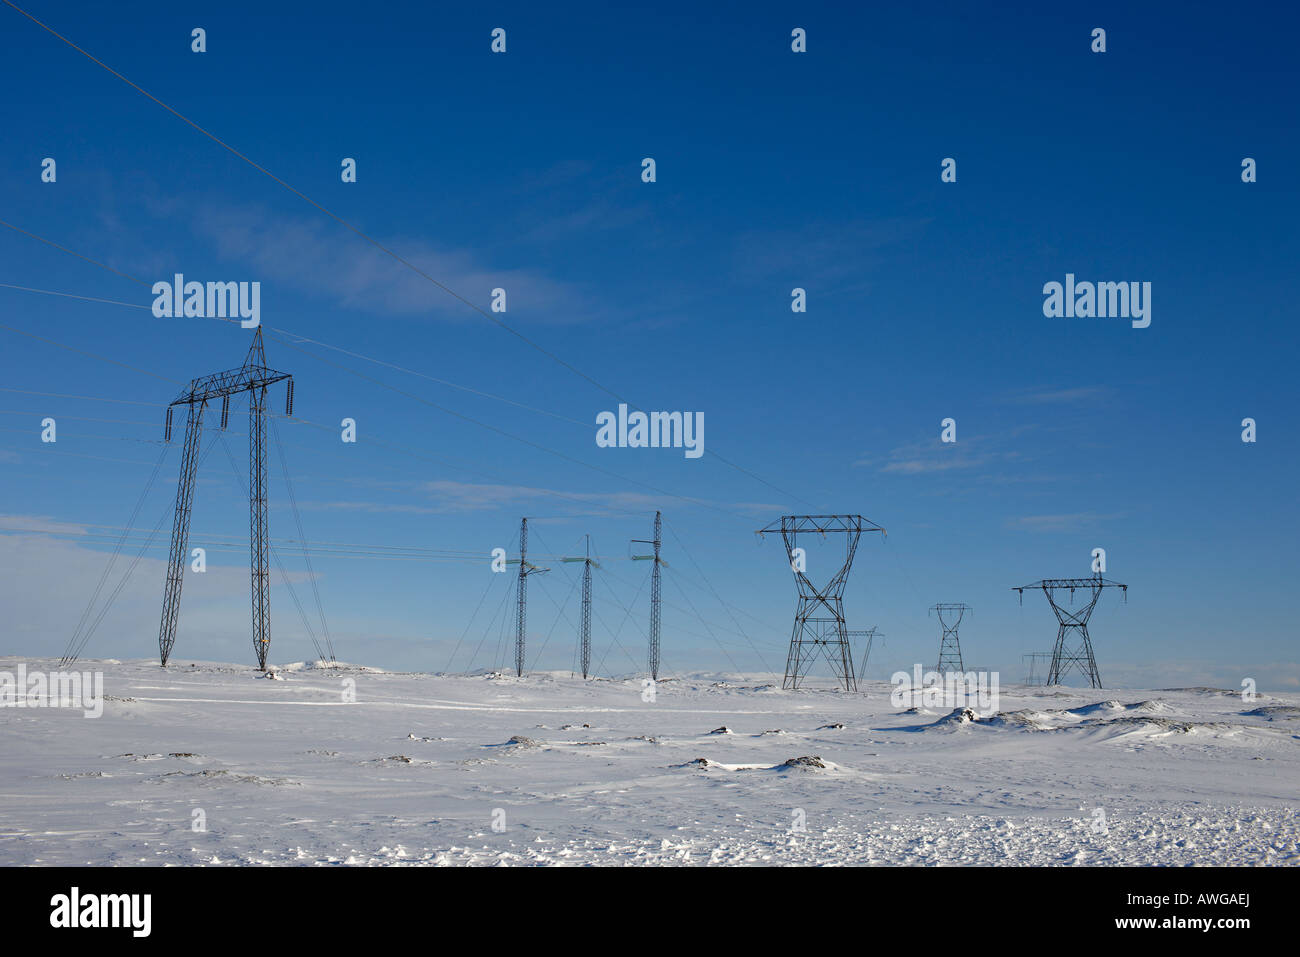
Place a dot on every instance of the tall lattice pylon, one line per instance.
(526, 568)
(819, 629)
(258, 536)
(655, 591)
(1073, 649)
(950, 615)
(253, 377)
(584, 631)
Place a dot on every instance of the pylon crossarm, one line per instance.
(1095, 581)
(253, 374)
(229, 383)
(948, 608)
(529, 567)
(218, 387)
(796, 524)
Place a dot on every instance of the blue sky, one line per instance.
(818, 170)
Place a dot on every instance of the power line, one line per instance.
(75, 652)
(731, 661)
(76, 418)
(452, 385)
(511, 435)
(306, 556)
(68, 295)
(469, 625)
(372, 439)
(706, 581)
(89, 398)
(275, 555)
(615, 641)
(108, 567)
(114, 438)
(279, 332)
(92, 355)
(301, 195)
(70, 252)
(568, 458)
(500, 323)
(440, 408)
(559, 613)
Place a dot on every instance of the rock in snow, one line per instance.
(807, 761)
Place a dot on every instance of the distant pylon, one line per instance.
(819, 618)
(1035, 662)
(1073, 649)
(521, 615)
(584, 634)
(870, 635)
(252, 377)
(950, 615)
(657, 541)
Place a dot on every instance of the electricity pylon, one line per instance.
(870, 635)
(949, 648)
(584, 635)
(1035, 661)
(253, 377)
(657, 541)
(820, 634)
(526, 568)
(1073, 649)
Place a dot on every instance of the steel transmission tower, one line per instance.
(655, 589)
(870, 635)
(252, 377)
(584, 634)
(1035, 662)
(819, 618)
(1073, 649)
(526, 568)
(950, 615)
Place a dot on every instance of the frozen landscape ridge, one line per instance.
(492, 769)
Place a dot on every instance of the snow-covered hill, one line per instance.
(554, 770)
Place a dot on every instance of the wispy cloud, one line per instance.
(39, 524)
(319, 256)
(440, 497)
(820, 253)
(1083, 393)
(916, 460)
(932, 455)
(574, 199)
(445, 497)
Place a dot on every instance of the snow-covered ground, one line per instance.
(419, 768)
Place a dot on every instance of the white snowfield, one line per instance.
(425, 769)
